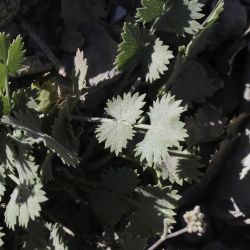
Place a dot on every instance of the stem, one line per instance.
(89, 119)
(165, 237)
(98, 119)
(143, 126)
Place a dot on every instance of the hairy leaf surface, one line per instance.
(117, 131)
(166, 130)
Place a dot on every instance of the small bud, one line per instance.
(195, 221)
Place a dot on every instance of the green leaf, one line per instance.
(139, 47)
(129, 242)
(47, 96)
(3, 77)
(62, 131)
(117, 131)
(180, 166)
(186, 82)
(121, 180)
(4, 45)
(179, 17)
(40, 236)
(2, 182)
(151, 10)
(156, 205)
(30, 124)
(207, 124)
(201, 39)
(110, 204)
(35, 237)
(159, 60)
(23, 163)
(15, 56)
(46, 167)
(56, 236)
(135, 40)
(4, 105)
(81, 69)
(24, 204)
(166, 130)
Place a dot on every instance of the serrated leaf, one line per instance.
(15, 56)
(121, 180)
(115, 134)
(62, 131)
(125, 111)
(129, 242)
(81, 69)
(23, 163)
(179, 17)
(24, 204)
(56, 236)
(159, 60)
(3, 77)
(156, 205)
(180, 166)
(46, 168)
(139, 47)
(2, 181)
(40, 236)
(207, 124)
(186, 82)
(28, 123)
(4, 45)
(110, 205)
(166, 130)
(35, 237)
(135, 40)
(4, 105)
(151, 10)
(201, 39)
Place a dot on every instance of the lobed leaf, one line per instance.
(157, 204)
(28, 123)
(180, 166)
(81, 69)
(166, 130)
(179, 17)
(139, 47)
(15, 56)
(125, 111)
(24, 204)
